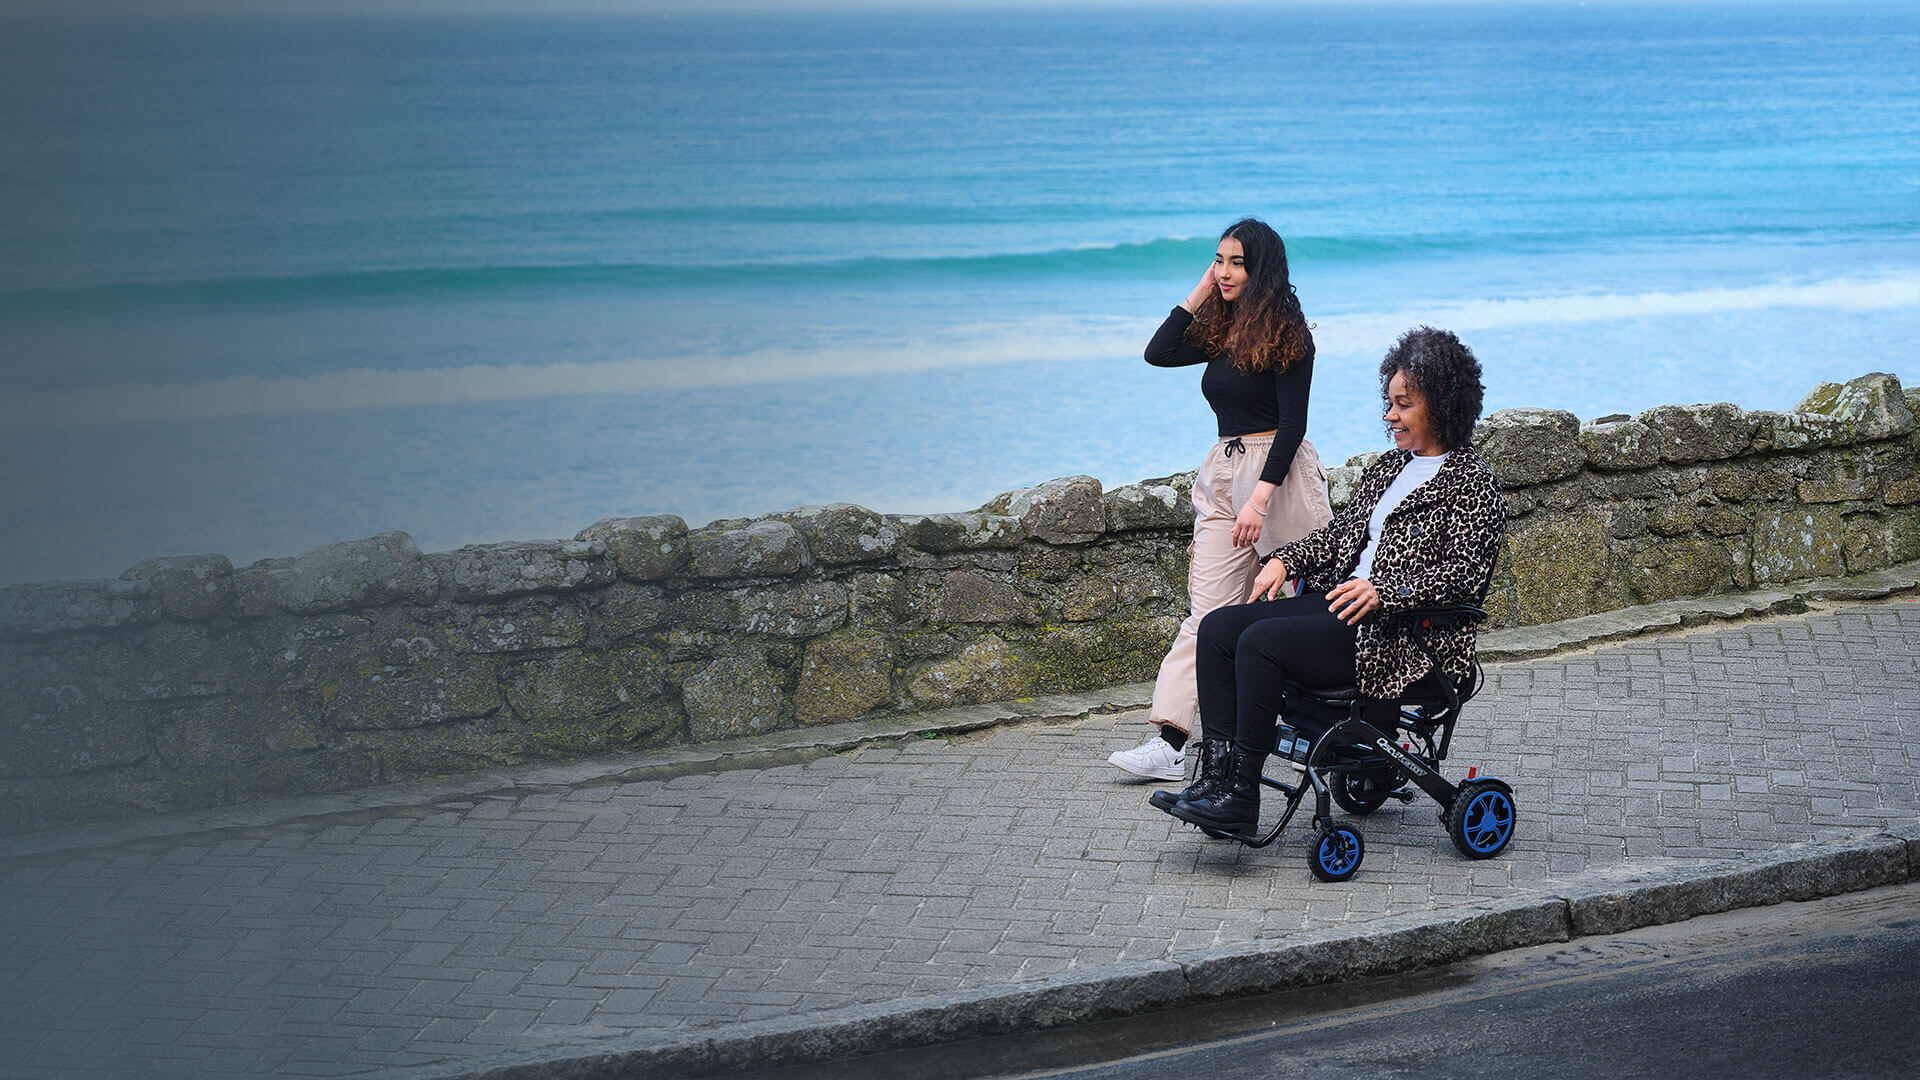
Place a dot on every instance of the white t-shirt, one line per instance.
(1417, 471)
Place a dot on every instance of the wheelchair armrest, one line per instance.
(1440, 616)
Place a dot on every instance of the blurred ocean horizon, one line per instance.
(271, 283)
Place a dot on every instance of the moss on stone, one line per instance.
(842, 676)
(1562, 568)
(1797, 543)
(735, 695)
(989, 669)
(1667, 569)
(1824, 399)
(1084, 656)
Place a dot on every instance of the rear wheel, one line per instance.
(1480, 819)
(1336, 852)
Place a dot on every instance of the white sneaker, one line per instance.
(1154, 759)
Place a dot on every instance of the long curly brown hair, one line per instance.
(1265, 328)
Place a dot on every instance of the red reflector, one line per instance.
(1472, 771)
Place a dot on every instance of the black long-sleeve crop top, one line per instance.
(1243, 403)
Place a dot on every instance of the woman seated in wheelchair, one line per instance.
(1422, 530)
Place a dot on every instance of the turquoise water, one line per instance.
(268, 284)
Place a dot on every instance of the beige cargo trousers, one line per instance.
(1218, 573)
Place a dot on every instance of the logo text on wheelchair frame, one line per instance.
(1393, 752)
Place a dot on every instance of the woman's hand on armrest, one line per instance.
(1352, 600)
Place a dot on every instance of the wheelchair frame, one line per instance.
(1368, 751)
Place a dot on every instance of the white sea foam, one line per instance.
(1369, 332)
(1029, 341)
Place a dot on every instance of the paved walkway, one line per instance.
(580, 913)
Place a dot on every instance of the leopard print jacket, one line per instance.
(1437, 547)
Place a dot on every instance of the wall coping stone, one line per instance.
(1063, 511)
(49, 608)
(1619, 444)
(1873, 405)
(745, 549)
(187, 587)
(1689, 433)
(1530, 446)
(382, 569)
(941, 534)
(1162, 503)
(484, 572)
(841, 533)
(642, 548)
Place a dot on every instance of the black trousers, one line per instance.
(1248, 650)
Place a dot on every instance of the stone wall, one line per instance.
(188, 683)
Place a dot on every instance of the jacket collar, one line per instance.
(1435, 488)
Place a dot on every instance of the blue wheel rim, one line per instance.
(1338, 853)
(1488, 821)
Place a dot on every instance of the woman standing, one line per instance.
(1262, 482)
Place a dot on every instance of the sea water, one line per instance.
(271, 283)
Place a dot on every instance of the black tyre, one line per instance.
(1481, 818)
(1357, 796)
(1336, 852)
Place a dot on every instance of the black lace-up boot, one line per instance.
(1209, 774)
(1232, 808)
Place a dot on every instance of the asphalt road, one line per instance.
(1823, 989)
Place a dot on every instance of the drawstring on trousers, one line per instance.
(1234, 446)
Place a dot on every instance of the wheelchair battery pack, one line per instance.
(1291, 743)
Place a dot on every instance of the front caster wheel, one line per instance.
(1336, 853)
(1480, 819)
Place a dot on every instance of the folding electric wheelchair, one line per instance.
(1358, 752)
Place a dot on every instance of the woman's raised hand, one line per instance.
(1200, 290)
